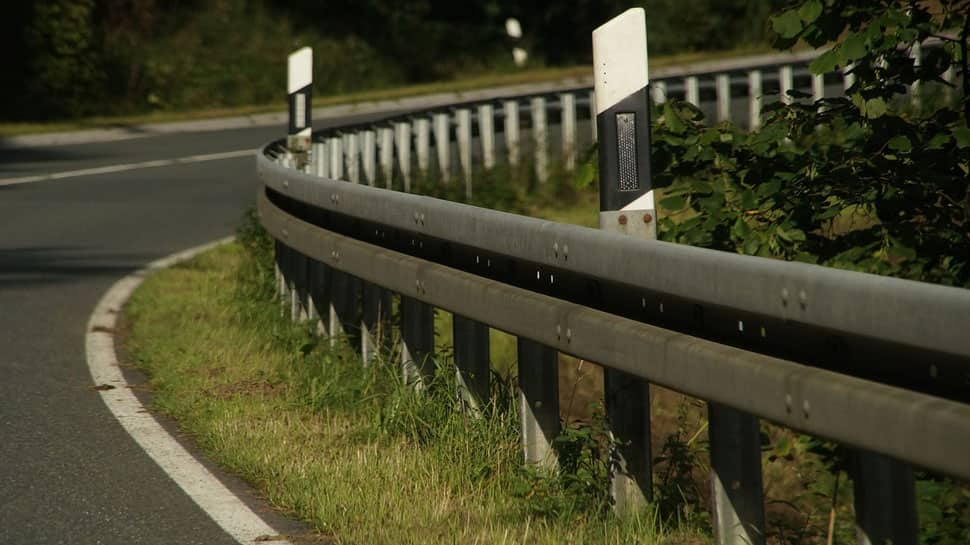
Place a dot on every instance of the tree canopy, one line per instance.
(88, 57)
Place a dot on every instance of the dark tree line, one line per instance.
(88, 57)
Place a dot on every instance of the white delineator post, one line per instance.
(299, 80)
(626, 206)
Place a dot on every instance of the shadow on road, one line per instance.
(34, 266)
(12, 155)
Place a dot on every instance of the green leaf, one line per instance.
(748, 202)
(875, 108)
(751, 245)
(852, 48)
(673, 120)
(810, 10)
(740, 230)
(900, 143)
(768, 189)
(585, 175)
(962, 135)
(938, 141)
(677, 202)
(788, 24)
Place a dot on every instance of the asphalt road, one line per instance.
(68, 471)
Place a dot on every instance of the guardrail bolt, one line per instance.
(805, 408)
(647, 218)
(788, 403)
(559, 332)
(784, 297)
(569, 335)
(555, 249)
(622, 219)
(803, 299)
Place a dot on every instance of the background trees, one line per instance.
(82, 57)
(877, 180)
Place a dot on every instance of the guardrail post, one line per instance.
(917, 55)
(299, 81)
(592, 115)
(486, 132)
(288, 301)
(786, 82)
(885, 500)
(949, 76)
(417, 339)
(321, 163)
(540, 137)
(353, 157)
(344, 296)
(422, 144)
(374, 322)
(692, 91)
(318, 288)
(626, 206)
(754, 99)
(281, 272)
(463, 134)
(442, 144)
(386, 136)
(538, 401)
(736, 483)
(659, 92)
(722, 83)
(848, 78)
(472, 361)
(336, 148)
(369, 156)
(301, 294)
(404, 153)
(567, 122)
(511, 110)
(818, 87)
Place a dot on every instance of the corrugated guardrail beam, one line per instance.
(925, 316)
(926, 431)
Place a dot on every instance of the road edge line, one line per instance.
(208, 492)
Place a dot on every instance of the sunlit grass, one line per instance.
(349, 449)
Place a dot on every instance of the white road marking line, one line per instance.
(224, 507)
(111, 169)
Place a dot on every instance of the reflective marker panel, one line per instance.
(626, 151)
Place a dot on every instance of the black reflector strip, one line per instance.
(626, 147)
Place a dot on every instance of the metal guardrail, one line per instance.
(876, 363)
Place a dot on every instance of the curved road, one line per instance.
(68, 471)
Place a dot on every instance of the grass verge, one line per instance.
(351, 450)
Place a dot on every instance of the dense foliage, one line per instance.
(84, 57)
(872, 181)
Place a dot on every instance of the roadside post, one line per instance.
(298, 87)
(626, 206)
